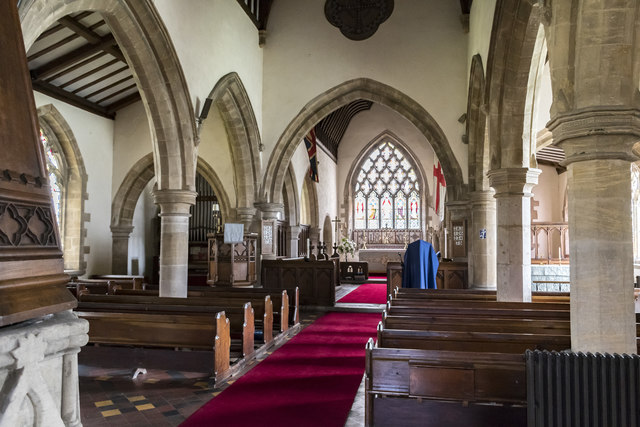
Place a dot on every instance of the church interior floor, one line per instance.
(161, 397)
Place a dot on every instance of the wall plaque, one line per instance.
(459, 239)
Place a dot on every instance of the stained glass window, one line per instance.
(387, 191)
(56, 173)
(360, 217)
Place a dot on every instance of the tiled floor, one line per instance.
(161, 397)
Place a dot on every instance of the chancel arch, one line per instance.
(72, 186)
(124, 205)
(349, 91)
(386, 190)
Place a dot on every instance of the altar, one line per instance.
(379, 257)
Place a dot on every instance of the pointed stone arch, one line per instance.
(145, 42)
(75, 192)
(230, 97)
(334, 98)
(292, 202)
(508, 66)
(124, 204)
(476, 126)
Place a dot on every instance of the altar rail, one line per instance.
(550, 242)
(385, 237)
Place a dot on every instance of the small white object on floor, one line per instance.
(138, 371)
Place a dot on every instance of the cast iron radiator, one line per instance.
(582, 389)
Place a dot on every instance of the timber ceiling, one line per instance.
(77, 60)
(331, 129)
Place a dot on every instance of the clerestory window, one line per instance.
(387, 193)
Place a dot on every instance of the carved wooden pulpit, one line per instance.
(232, 264)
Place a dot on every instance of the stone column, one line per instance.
(293, 234)
(174, 240)
(513, 201)
(120, 248)
(247, 217)
(600, 229)
(482, 261)
(70, 405)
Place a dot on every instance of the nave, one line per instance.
(311, 379)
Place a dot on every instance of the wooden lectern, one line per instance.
(232, 264)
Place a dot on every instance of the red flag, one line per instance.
(310, 142)
(440, 182)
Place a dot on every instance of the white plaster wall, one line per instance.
(326, 188)
(94, 135)
(141, 241)
(480, 25)
(132, 141)
(300, 163)
(421, 51)
(365, 127)
(214, 149)
(549, 194)
(213, 38)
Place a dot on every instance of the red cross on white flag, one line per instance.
(440, 186)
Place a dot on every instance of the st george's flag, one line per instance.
(310, 142)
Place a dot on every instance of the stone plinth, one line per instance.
(39, 371)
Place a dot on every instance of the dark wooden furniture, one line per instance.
(32, 279)
(452, 275)
(317, 280)
(232, 264)
(109, 324)
(354, 272)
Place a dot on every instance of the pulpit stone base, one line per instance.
(39, 371)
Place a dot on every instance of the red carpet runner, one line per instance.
(310, 381)
(367, 293)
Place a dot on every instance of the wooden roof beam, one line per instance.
(57, 93)
(71, 58)
(91, 36)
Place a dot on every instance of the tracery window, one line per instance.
(387, 192)
(56, 171)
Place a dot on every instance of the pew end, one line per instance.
(248, 330)
(222, 347)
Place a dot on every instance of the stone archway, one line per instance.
(508, 65)
(361, 88)
(126, 198)
(230, 97)
(54, 125)
(476, 127)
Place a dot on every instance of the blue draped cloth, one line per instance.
(420, 266)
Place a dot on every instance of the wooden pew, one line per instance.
(201, 331)
(138, 282)
(414, 387)
(472, 294)
(292, 307)
(262, 303)
(235, 310)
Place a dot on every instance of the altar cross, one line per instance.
(337, 222)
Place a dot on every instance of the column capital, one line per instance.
(123, 231)
(293, 231)
(513, 181)
(271, 210)
(174, 202)
(597, 133)
(482, 198)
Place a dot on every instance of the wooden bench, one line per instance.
(241, 314)
(472, 294)
(413, 387)
(137, 281)
(200, 331)
(261, 300)
(317, 280)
